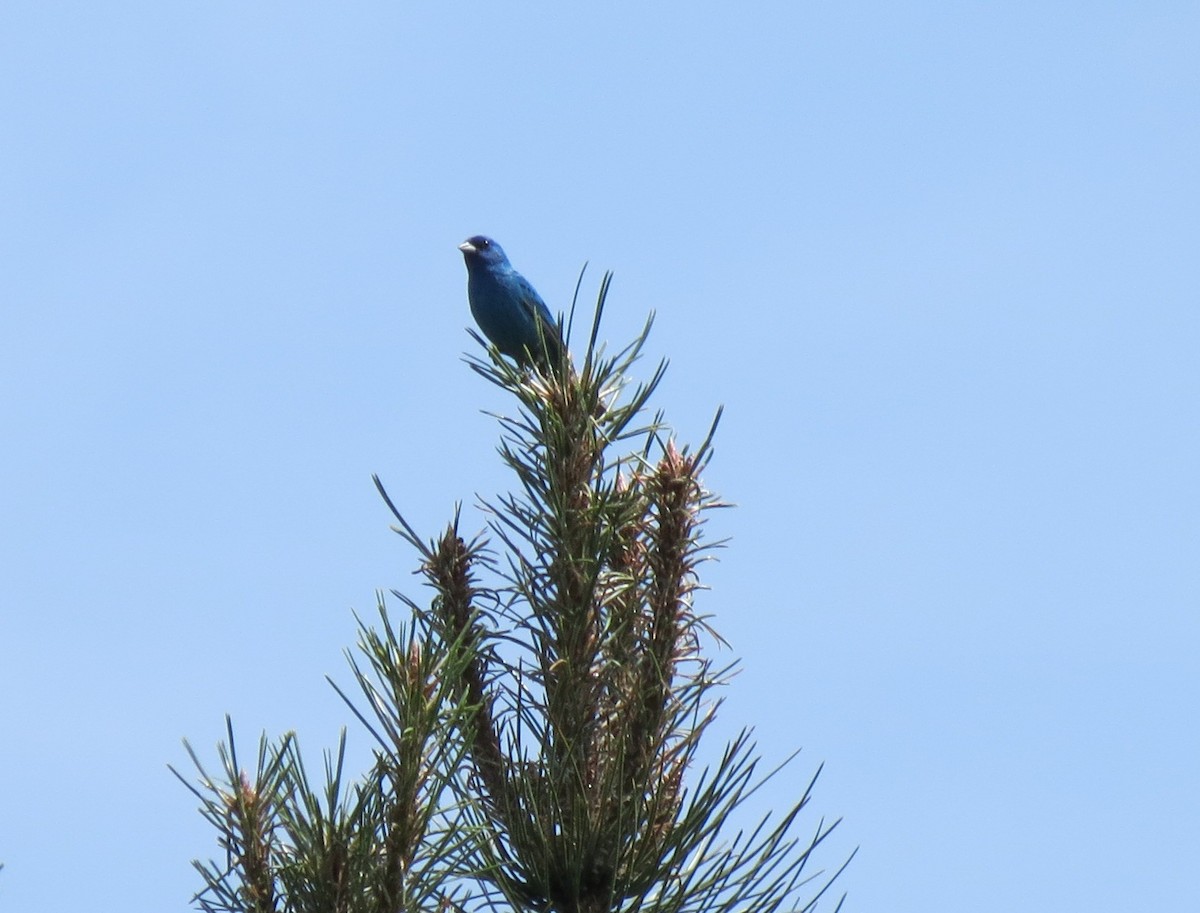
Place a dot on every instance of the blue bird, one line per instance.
(507, 308)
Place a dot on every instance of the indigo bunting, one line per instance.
(507, 308)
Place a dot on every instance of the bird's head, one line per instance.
(480, 249)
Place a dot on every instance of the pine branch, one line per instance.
(537, 723)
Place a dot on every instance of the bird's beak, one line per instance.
(467, 247)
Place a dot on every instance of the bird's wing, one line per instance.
(533, 304)
(536, 307)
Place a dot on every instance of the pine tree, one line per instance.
(537, 722)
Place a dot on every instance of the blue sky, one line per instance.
(937, 260)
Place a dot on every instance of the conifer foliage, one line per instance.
(537, 721)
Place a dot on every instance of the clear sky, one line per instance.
(938, 261)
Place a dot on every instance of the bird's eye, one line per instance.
(483, 244)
